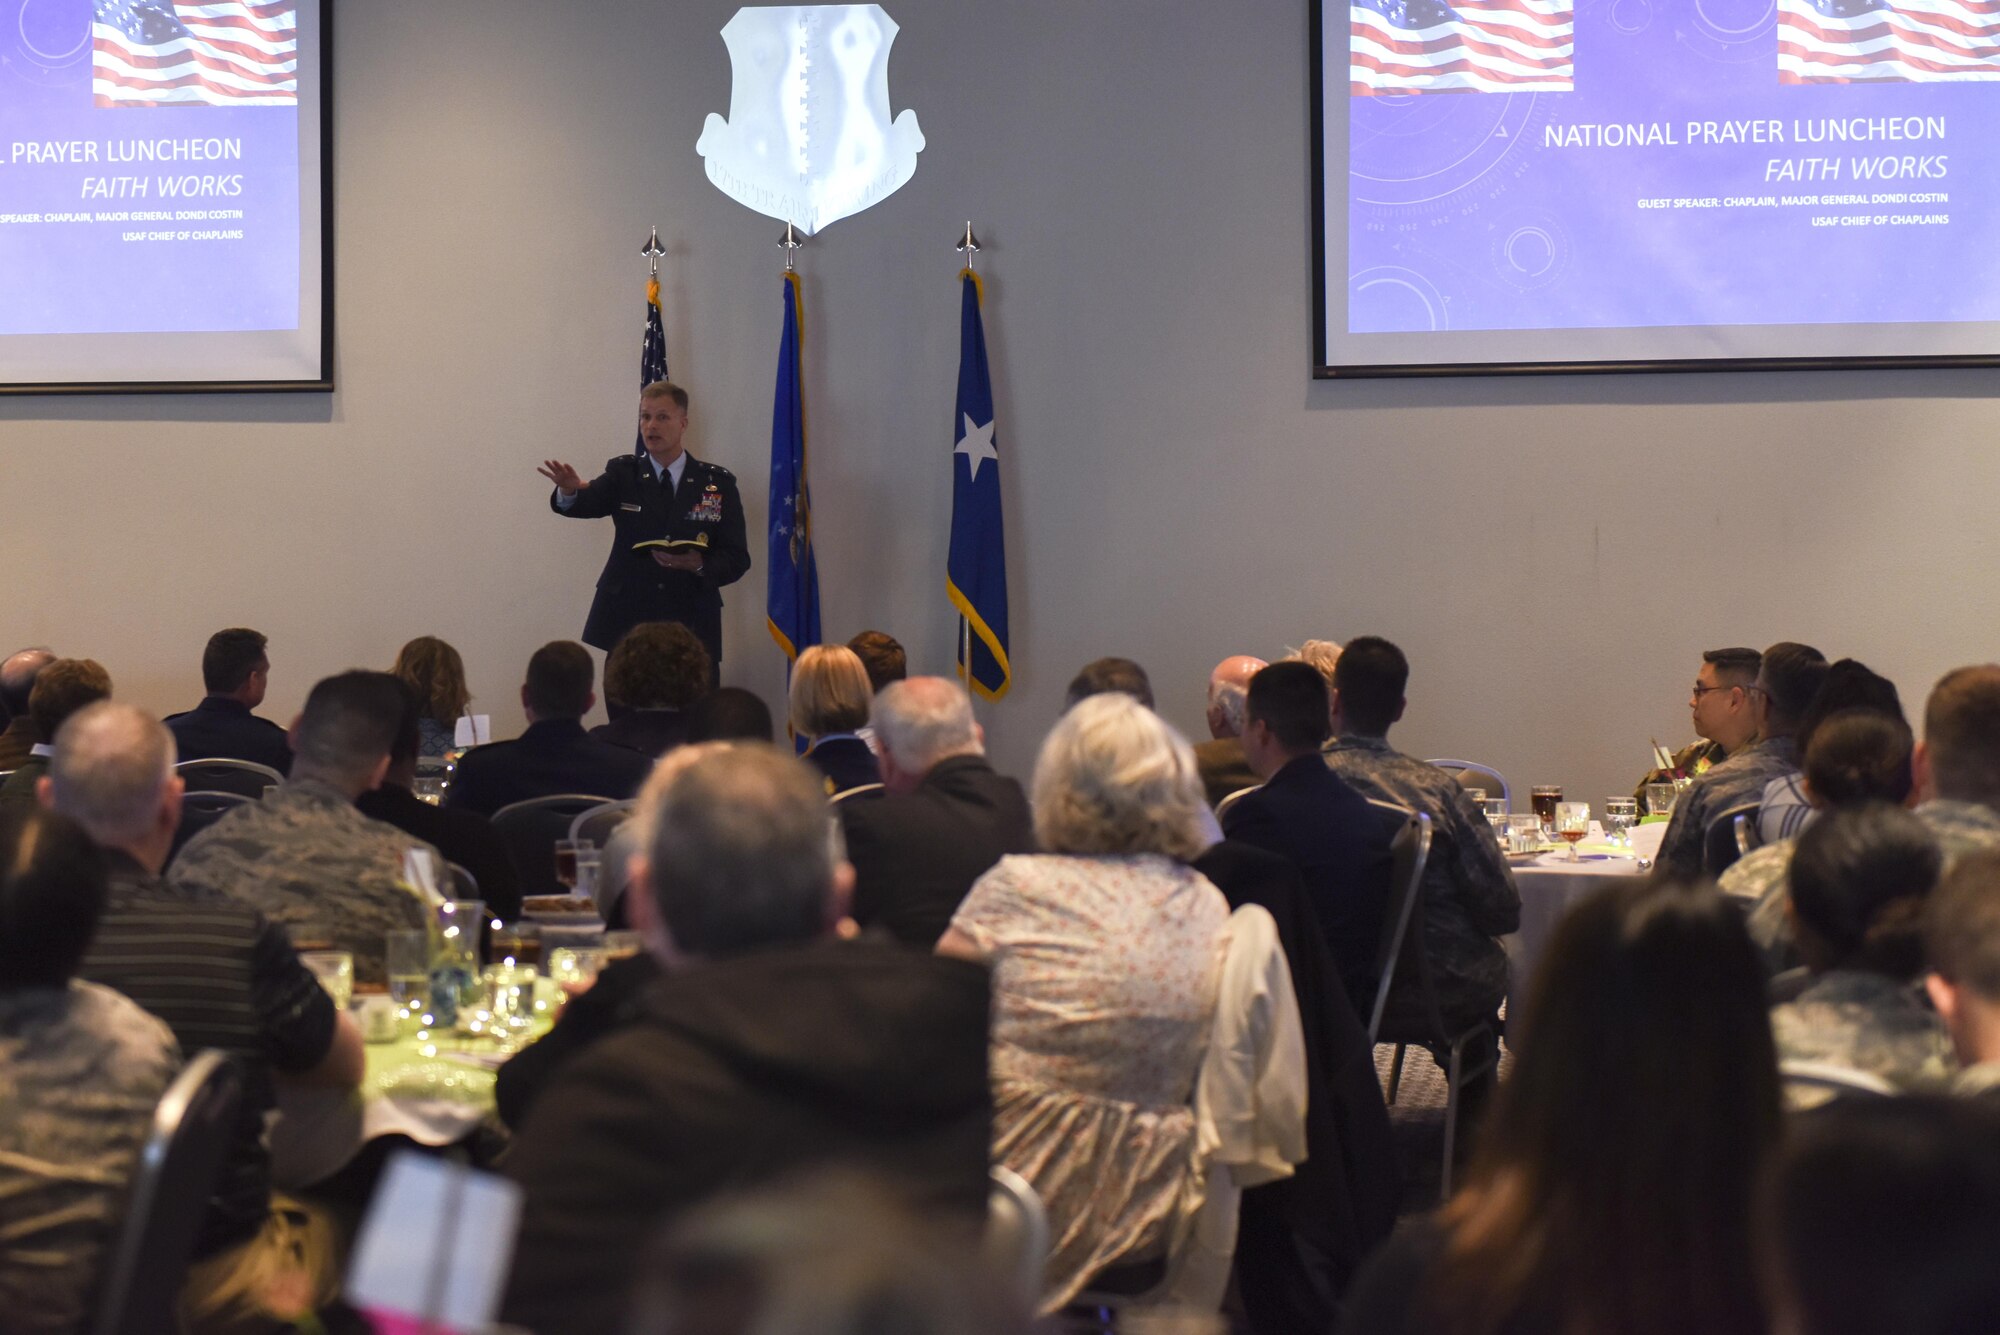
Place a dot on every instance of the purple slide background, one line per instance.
(61, 278)
(1460, 218)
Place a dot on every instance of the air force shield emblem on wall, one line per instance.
(809, 139)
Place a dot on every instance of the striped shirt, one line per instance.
(221, 976)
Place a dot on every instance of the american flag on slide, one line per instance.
(225, 53)
(1867, 41)
(1467, 46)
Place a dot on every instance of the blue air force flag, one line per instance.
(652, 349)
(976, 570)
(792, 593)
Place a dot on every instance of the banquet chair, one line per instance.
(1720, 842)
(199, 810)
(220, 775)
(598, 823)
(147, 1261)
(1840, 1082)
(529, 831)
(1460, 769)
(1016, 1244)
(1748, 836)
(860, 791)
(464, 885)
(1222, 807)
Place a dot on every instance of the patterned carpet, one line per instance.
(1417, 1118)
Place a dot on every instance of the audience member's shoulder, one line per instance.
(132, 1033)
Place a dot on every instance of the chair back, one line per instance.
(1721, 841)
(221, 775)
(1400, 948)
(176, 1175)
(1748, 836)
(1016, 1244)
(1832, 1080)
(598, 823)
(199, 810)
(1222, 807)
(529, 831)
(464, 885)
(1466, 770)
(860, 791)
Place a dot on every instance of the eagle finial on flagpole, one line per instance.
(968, 245)
(791, 241)
(652, 250)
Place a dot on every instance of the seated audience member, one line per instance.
(883, 658)
(1103, 675)
(1469, 895)
(1724, 715)
(1300, 1240)
(613, 1000)
(554, 754)
(304, 857)
(945, 818)
(650, 679)
(434, 671)
(1848, 685)
(61, 688)
(235, 670)
(1613, 1188)
(1885, 1216)
(829, 706)
(1856, 758)
(730, 714)
(1321, 655)
(834, 1254)
(462, 836)
(221, 977)
(1783, 681)
(1311, 817)
(1962, 942)
(1104, 952)
(81, 1070)
(1224, 770)
(766, 1047)
(1858, 884)
(17, 679)
(1957, 764)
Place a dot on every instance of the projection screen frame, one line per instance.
(1323, 370)
(323, 384)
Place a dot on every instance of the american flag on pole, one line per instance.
(226, 53)
(1867, 41)
(1468, 46)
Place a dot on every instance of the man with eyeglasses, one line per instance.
(1747, 703)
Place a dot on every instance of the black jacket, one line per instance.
(552, 756)
(463, 836)
(632, 588)
(221, 728)
(845, 762)
(736, 1072)
(651, 732)
(915, 855)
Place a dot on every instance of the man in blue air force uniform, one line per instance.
(663, 493)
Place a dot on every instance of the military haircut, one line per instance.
(1102, 676)
(1962, 925)
(1962, 734)
(1734, 667)
(62, 688)
(883, 655)
(559, 678)
(1371, 676)
(730, 714)
(110, 770)
(350, 723)
(231, 656)
(53, 885)
(1792, 675)
(1290, 698)
(666, 389)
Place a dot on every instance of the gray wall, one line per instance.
(1553, 553)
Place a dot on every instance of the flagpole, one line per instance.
(968, 246)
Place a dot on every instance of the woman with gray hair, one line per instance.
(1105, 953)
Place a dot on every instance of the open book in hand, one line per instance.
(698, 543)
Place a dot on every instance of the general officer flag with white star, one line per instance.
(792, 594)
(976, 569)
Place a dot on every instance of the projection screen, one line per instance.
(164, 196)
(1612, 185)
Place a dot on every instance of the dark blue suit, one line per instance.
(552, 756)
(1310, 816)
(220, 727)
(846, 762)
(633, 587)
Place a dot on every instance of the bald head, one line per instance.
(113, 774)
(920, 721)
(1226, 688)
(17, 678)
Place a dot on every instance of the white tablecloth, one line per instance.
(1550, 886)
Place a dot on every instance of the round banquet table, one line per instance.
(1551, 885)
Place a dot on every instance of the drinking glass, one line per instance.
(575, 968)
(1620, 815)
(519, 944)
(1495, 811)
(455, 958)
(1572, 823)
(1478, 795)
(621, 945)
(335, 971)
(567, 852)
(511, 998)
(1544, 797)
(409, 968)
(1660, 798)
(1524, 832)
(429, 788)
(589, 863)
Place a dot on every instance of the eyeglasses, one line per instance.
(1701, 690)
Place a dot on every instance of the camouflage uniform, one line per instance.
(1469, 895)
(1961, 827)
(1735, 781)
(1865, 1022)
(308, 861)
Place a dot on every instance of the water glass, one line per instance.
(1572, 823)
(429, 788)
(519, 944)
(575, 968)
(1543, 797)
(567, 853)
(335, 971)
(1524, 832)
(409, 968)
(1620, 815)
(455, 958)
(1660, 798)
(621, 945)
(511, 998)
(589, 865)
(1495, 809)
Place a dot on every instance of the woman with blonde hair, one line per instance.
(1105, 951)
(829, 706)
(433, 669)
